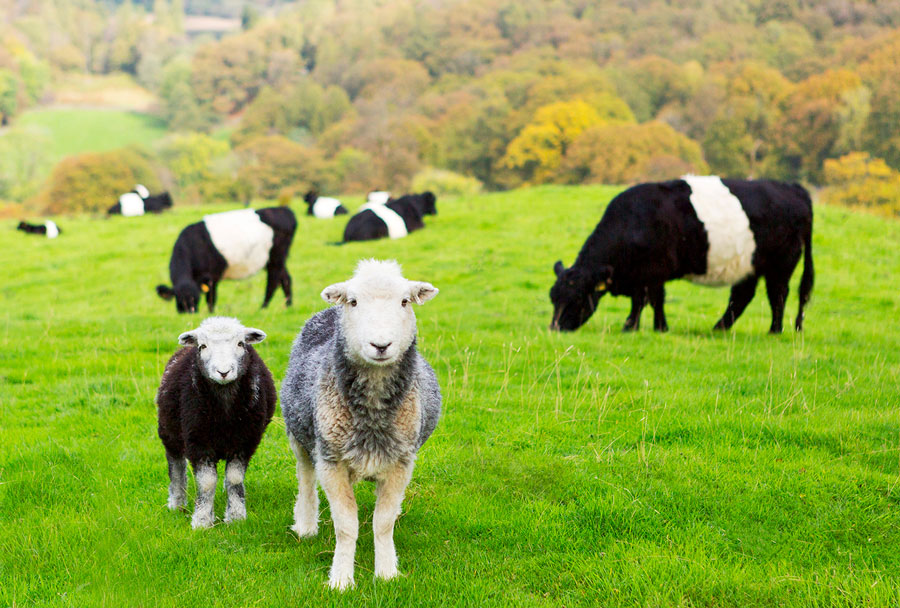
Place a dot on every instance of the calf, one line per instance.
(323, 207)
(708, 230)
(230, 245)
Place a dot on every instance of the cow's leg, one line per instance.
(389, 492)
(777, 289)
(638, 300)
(306, 508)
(205, 477)
(741, 294)
(177, 480)
(335, 480)
(235, 507)
(286, 286)
(211, 296)
(657, 296)
(273, 279)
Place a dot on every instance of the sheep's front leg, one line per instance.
(335, 480)
(177, 481)
(389, 491)
(306, 509)
(205, 478)
(235, 508)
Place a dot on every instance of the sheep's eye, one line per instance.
(202, 346)
(352, 302)
(404, 302)
(240, 345)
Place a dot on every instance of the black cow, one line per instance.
(230, 245)
(48, 228)
(373, 221)
(705, 229)
(323, 207)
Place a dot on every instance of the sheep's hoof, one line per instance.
(341, 583)
(175, 503)
(305, 531)
(387, 573)
(235, 516)
(199, 522)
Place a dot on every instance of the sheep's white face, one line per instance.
(378, 321)
(222, 347)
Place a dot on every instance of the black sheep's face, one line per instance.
(574, 298)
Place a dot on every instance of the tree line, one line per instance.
(346, 95)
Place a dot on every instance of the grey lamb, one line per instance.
(359, 401)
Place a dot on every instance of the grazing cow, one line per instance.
(48, 228)
(323, 207)
(374, 221)
(230, 245)
(708, 230)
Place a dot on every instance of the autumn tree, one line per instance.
(536, 152)
(626, 153)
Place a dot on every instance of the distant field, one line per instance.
(76, 130)
(587, 469)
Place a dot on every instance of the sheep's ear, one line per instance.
(188, 338)
(165, 292)
(421, 292)
(254, 336)
(335, 294)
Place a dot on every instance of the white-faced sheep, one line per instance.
(359, 401)
(215, 400)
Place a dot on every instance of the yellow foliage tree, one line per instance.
(536, 151)
(859, 181)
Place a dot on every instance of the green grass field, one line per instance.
(587, 469)
(76, 130)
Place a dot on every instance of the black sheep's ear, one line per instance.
(558, 268)
(188, 338)
(165, 292)
(254, 336)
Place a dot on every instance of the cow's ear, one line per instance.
(165, 292)
(606, 275)
(558, 268)
(335, 294)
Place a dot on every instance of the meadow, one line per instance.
(593, 468)
(75, 130)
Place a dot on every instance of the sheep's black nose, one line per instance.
(380, 347)
(223, 374)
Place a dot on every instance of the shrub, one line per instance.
(275, 165)
(445, 183)
(856, 180)
(94, 181)
(199, 166)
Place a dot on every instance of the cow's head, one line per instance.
(185, 293)
(575, 295)
(430, 207)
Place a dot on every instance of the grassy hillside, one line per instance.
(594, 468)
(75, 130)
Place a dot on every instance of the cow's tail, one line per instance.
(808, 277)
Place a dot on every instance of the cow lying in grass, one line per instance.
(708, 230)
